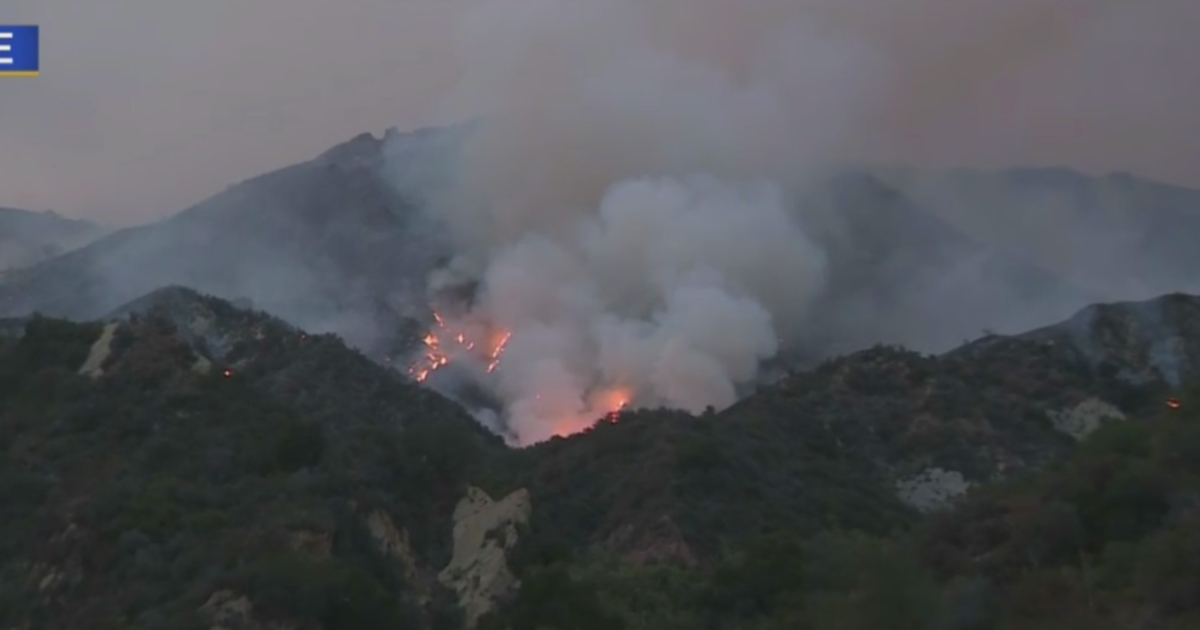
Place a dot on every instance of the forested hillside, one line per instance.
(194, 465)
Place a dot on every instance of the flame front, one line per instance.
(612, 402)
(483, 346)
(439, 354)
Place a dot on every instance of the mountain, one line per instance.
(327, 243)
(27, 237)
(895, 263)
(1121, 234)
(189, 463)
(345, 242)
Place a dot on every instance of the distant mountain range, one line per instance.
(28, 237)
(1118, 234)
(328, 243)
(343, 243)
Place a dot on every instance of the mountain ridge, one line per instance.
(28, 237)
(345, 242)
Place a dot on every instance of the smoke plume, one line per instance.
(624, 208)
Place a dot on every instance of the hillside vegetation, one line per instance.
(194, 465)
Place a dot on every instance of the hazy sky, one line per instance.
(147, 106)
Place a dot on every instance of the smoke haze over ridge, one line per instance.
(629, 204)
(1094, 85)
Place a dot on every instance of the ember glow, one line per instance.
(446, 343)
(603, 405)
(477, 348)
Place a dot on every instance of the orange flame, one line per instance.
(448, 341)
(497, 350)
(458, 341)
(613, 402)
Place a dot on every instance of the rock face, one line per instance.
(484, 532)
(933, 489)
(394, 544)
(99, 352)
(1082, 419)
(317, 544)
(230, 611)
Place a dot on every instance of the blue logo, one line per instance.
(19, 51)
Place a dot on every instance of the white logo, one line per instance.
(5, 48)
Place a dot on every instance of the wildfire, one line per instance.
(483, 345)
(438, 354)
(613, 402)
(494, 358)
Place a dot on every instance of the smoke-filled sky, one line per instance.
(146, 106)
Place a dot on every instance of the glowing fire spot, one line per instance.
(1173, 404)
(438, 354)
(613, 402)
(227, 373)
(498, 350)
(615, 413)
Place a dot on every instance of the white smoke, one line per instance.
(625, 204)
(667, 295)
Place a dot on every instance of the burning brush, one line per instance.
(444, 344)
(477, 348)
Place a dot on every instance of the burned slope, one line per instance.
(141, 479)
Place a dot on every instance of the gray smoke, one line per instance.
(629, 209)
(622, 205)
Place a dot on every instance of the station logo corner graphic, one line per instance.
(19, 51)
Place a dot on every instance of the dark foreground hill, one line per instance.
(194, 465)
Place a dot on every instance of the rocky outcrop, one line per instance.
(1082, 419)
(202, 365)
(55, 578)
(230, 611)
(318, 544)
(932, 489)
(662, 541)
(484, 532)
(394, 544)
(92, 366)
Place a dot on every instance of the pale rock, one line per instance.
(484, 532)
(1083, 419)
(932, 489)
(99, 352)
